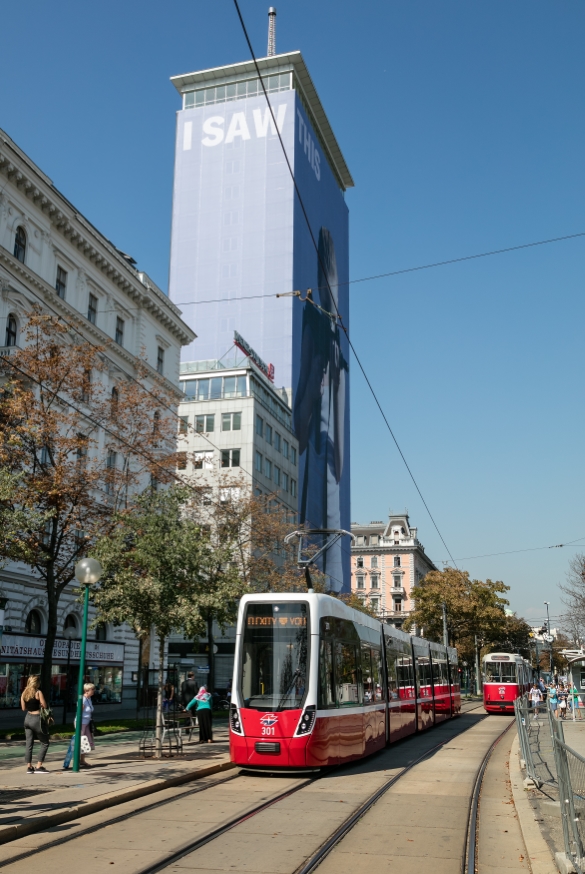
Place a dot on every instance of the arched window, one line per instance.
(396, 561)
(11, 330)
(20, 244)
(33, 622)
(101, 631)
(70, 621)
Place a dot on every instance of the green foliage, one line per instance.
(474, 608)
(162, 569)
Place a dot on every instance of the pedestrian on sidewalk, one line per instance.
(189, 689)
(87, 726)
(536, 698)
(31, 701)
(202, 701)
(553, 699)
(168, 696)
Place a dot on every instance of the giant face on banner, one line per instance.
(239, 238)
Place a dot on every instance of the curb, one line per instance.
(102, 802)
(539, 855)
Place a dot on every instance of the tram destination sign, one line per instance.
(277, 621)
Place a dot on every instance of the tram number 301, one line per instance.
(268, 730)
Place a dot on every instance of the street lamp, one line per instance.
(87, 573)
(68, 634)
(550, 642)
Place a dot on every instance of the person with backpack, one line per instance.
(32, 701)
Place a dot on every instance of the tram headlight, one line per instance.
(235, 721)
(307, 720)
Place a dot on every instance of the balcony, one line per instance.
(398, 590)
(6, 351)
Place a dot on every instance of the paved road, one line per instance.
(419, 823)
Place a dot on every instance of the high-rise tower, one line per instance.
(240, 237)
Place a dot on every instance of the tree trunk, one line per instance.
(52, 604)
(159, 696)
(211, 675)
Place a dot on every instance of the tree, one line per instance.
(512, 636)
(574, 597)
(474, 609)
(164, 571)
(79, 440)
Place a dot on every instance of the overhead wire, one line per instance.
(325, 273)
(399, 272)
(514, 551)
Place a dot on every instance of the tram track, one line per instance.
(470, 863)
(214, 834)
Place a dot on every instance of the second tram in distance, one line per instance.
(317, 683)
(506, 676)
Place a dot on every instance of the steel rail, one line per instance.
(472, 832)
(115, 820)
(192, 846)
(315, 860)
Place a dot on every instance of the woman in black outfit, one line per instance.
(31, 701)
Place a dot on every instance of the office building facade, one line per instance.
(251, 252)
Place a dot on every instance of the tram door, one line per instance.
(424, 684)
(441, 690)
(401, 688)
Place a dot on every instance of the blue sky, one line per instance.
(463, 127)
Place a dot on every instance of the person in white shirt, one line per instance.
(536, 698)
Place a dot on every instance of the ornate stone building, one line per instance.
(52, 256)
(388, 561)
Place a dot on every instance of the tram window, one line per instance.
(326, 681)
(347, 675)
(405, 673)
(275, 656)
(391, 660)
(496, 672)
(367, 673)
(378, 674)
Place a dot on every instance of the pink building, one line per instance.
(387, 562)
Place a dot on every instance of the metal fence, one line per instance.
(549, 760)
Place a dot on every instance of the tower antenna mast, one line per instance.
(271, 31)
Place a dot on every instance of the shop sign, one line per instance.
(24, 647)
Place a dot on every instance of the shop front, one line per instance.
(22, 655)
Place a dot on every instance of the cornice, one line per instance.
(63, 216)
(47, 292)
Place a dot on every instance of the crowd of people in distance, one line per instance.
(557, 694)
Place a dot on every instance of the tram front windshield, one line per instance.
(500, 672)
(275, 656)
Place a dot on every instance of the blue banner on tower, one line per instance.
(239, 238)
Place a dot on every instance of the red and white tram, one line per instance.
(506, 676)
(317, 683)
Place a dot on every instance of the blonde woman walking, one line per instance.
(87, 719)
(31, 701)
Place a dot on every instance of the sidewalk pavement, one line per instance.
(31, 802)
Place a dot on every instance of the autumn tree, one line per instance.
(474, 609)
(164, 569)
(81, 437)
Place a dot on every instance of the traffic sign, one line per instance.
(548, 638)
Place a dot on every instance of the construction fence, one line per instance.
(549, 760)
